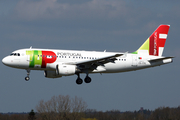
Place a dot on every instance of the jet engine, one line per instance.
(65, 70)
(51, 74)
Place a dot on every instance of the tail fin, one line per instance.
(154, 45)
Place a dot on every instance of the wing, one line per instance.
(92, 64)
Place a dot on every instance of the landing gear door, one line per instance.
(134, 60)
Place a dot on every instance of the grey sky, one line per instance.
(98, 25)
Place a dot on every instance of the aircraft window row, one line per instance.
(77, 57)
(50, 56)
(14, 54)
(46, 56)
(122, 59)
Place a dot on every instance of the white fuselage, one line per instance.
(126, 62)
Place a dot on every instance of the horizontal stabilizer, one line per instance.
(159, 59)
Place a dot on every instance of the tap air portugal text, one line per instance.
(58, 63)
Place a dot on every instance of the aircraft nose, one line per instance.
(5, 61)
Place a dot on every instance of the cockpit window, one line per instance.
(15, 54)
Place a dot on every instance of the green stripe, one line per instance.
(34, 58)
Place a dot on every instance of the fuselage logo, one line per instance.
(155, 43)
(68, 54)
(40, 58)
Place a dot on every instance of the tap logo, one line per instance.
(155, 43)
(38, 58)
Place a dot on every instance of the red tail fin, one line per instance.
(157, 40)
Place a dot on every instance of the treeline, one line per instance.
(66, 108)
(162, 113)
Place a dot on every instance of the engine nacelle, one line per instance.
(51, 74)
(65, 70)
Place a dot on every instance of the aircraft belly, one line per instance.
(118, 67)
(125, 66)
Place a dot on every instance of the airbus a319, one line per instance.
(58, 63)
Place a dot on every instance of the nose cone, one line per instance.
(6, 61)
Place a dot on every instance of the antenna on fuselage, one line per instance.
(30, 47)
(104, 50)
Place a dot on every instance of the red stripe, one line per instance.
(163, 29)
(151, 44)
(161, 42)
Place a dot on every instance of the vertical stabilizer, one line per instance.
(154, 45)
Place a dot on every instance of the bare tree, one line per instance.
(44, 109)
(61, 108)
(78, 108)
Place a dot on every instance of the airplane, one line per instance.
(57, 63)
